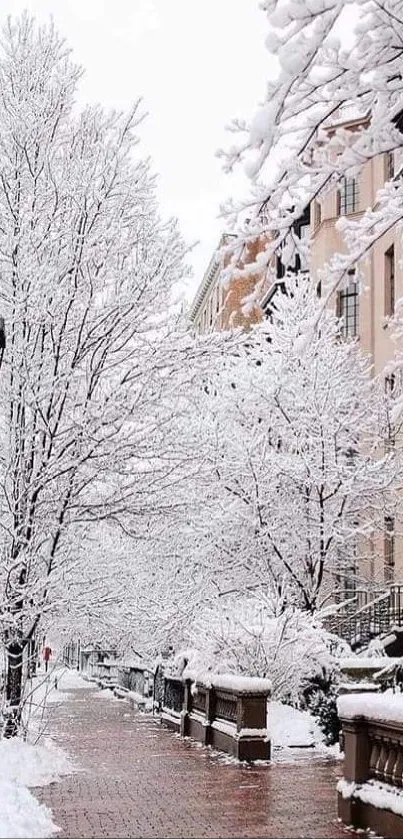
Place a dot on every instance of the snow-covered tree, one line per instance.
(300, 477)
(247, 635)
(334, 59)
(95, 365)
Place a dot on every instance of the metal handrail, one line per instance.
(371, 619)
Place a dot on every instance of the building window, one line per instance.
(317, 214)
(301, 259)
(389, 549)
(347, 310)
(347, 196)
(389, 165)
(390, 282)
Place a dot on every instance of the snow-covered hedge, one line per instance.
(290, 649)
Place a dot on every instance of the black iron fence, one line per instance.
(367, 615)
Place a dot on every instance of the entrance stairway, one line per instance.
(370, 614)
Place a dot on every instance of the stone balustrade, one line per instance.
(370, 796)
(107, 673)
(136, 681)
(226, 712)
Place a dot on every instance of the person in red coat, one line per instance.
(47, 652)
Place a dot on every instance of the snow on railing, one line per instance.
(371, 792)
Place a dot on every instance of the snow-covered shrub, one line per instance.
(248, 637)
(319, 697)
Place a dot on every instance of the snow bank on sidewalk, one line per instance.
(24, 764)
(51, 687)
(289, 727)
(32, 765)
(21, 815)
(69, 679)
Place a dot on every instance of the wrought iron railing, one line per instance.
(368, 615)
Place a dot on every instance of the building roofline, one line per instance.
(209, 276)
(344, 119)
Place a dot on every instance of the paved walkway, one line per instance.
(141, 780)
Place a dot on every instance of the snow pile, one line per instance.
(21, 815)
(367, 663)
(32, 765)
(53, 687)
(288, 727)
(23, 764)
(380, 707)
(69, 679)
(229, 681)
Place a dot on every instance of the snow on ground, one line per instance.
(24, 763)
(69, 679)
(21, 815)
(47, 688)
(296, 736)
(291, 728)
(33, 765)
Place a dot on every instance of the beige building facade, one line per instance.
(365, 304)
(369, 299)
(217, 306)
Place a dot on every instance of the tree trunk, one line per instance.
(32, 657)
(14, 688)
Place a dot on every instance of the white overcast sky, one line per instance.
(196, 65)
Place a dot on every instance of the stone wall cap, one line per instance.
(230, 681)
(378, 707)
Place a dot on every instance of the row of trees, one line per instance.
(96, 361)
(295, 483)
(147, 476)
(294, 429)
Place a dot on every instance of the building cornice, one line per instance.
(209, 276)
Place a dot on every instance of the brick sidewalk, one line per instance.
(141, 780)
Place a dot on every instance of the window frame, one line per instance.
(389, 554)
(348, 309)
(348, 196)
(389, 282)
